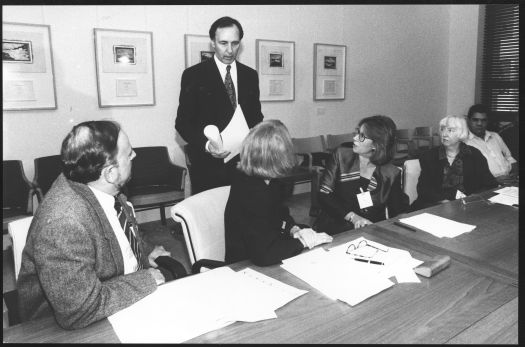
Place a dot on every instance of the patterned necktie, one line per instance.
(230, 88)
(127, 227)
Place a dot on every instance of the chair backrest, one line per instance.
(423, 131)
(47, 169)
(17, 191)
(152, 167)
(411, 171)
(332, 141)
(18, 231)
(309, 144)
(202, 219)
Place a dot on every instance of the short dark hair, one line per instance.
(382, 131)
(225, 22)
(477, 108)
(88, 148)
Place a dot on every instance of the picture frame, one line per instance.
(197, 49)
(124, 67)
(28, 81)
(275, 64)
(329, 71)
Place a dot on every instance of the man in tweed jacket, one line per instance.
(76, 264)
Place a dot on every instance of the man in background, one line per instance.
(84, 258)
(501, 163)
(210, 93)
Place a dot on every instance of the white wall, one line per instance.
(407, 61)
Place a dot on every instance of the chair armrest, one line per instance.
(179, 174)
(211, 264)
(39, 194)
(307, 157)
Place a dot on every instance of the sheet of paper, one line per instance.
(234, 134)
(512, 191)
(437, 226)
(505, 199)
(183, 309)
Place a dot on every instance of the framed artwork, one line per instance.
(198, 48)
(124, 62)
(276, 67)
(28, 81)
(329, 71)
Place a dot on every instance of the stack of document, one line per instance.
(339, 276)
(186, 308)
(437, 226)
(507, 196)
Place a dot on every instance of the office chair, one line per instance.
(333, 141)
(411, 171)
(155, 182)
(17, 196)
(18, 230)
(202, 219)
(47, 169)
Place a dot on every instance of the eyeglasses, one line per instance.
(364, 249)
(448, 129)
(360, 136)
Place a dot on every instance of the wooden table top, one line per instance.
(493, 246)
(465, 303)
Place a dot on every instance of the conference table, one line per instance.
(474, 300)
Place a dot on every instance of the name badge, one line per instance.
(364, 199)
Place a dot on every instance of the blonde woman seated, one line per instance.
(452, 170)
(258, 225)
(359, 182)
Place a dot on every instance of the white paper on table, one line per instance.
(505, 199)
(180, 310)
(337, 275)
(234, 133)
(437, 226)
(512, 191)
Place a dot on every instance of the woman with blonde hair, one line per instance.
(453, 169)
(258, 225)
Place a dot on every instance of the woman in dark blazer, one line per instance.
(258, 225)
(363, 172)
(452, 170)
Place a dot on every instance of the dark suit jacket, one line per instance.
(476, 175)
(203, 100)
(257, 223)
(72, 262)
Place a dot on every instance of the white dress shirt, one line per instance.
(107, 202)
(495, 151)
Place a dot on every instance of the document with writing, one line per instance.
(337, 276)
(186, 308)
(437, 226)
(507, 196)
(234, 133)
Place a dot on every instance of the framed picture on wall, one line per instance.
(28, 81)
(124, 62)
(276, 67)
(329, 71)
(198, 49)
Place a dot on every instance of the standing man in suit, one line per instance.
(207, 97)
(84, 258)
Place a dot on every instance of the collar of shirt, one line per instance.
(488, 135)
(233, 72)
(463, 149)
(106, 200)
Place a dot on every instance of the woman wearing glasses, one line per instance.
(258, 225)
(453, 169)
(360, 182)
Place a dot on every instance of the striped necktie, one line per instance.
(127, 226)
(230, 87)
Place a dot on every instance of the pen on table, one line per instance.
(402, 225)
(369, 261)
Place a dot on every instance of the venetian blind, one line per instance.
(500, 74)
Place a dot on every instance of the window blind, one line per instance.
(500, 70)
